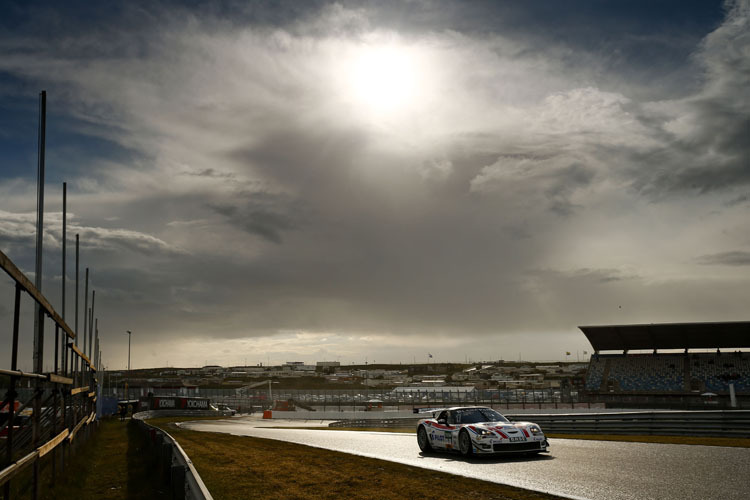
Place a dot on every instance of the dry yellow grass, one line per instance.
(245, 467)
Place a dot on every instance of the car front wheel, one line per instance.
(464, 444)
(423, 441)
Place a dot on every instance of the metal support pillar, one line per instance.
(85, 311)
(39, 315)
(91, 323)
(74, 359)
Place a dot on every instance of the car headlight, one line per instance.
(483, 433)
(535, 430)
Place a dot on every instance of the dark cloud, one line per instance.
(709, 147)
(306, 157)
(739, 200)
(567, 181)
(604, 275)
(257, 220)
(261, 213)
(736, 258)
(213, 173)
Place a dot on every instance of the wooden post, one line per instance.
(12, 389)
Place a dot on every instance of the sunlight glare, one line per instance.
(384, 78)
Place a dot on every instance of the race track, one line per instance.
(574, 468)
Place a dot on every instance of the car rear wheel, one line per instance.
(464, 444)
(423, 441)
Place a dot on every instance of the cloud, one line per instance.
(19, 229)
(558, 178)
(256, 217)
(735, 258)
(604, 275)
(114, 240)
(739, 200)
(210, 172)
(709, 149)
(261, 194)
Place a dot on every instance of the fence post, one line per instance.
(177, 480)
(12, 391)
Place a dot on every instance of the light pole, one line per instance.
(127, 385)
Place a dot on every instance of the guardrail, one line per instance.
(385, 423)
(664, 423)
(184, 480)
(709, 423)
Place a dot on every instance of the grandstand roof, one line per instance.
(734, 334)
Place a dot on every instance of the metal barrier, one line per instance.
(709, 423)
(385, 423)
(667, 423)
(184, 480)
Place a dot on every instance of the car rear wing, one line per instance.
(433, 411)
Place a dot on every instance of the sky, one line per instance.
(261, 182)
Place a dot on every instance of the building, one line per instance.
(327, 364)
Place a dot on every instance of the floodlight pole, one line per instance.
(127, 385)
(38, 312)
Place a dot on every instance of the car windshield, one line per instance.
(476, 415)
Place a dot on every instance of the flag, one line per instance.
(567, 353)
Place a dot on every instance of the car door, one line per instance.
(441, 431)
(451, 435)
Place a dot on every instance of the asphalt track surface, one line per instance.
(574, 468)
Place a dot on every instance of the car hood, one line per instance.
(502, 426)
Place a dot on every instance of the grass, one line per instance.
(114, 464)
(255, 468)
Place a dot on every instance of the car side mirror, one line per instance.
(442, 421)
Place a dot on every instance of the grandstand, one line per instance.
(615, 370)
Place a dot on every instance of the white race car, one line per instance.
(478, 430)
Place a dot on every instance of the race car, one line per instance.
(478, 430)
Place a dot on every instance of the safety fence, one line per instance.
(365, 399)
(663, 423)
(57, 409)
(177, 469)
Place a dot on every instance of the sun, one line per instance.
(383, 79)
